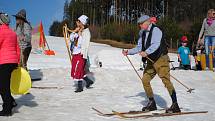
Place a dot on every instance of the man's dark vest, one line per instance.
(162, 49)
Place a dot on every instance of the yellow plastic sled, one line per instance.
(20, 81)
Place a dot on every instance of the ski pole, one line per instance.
(39, 87)
(134, 68)
(189, 89)
(65, 34)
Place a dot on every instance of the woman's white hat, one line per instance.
(83, 19)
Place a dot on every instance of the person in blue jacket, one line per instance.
(184, 56)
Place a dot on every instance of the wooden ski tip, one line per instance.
(97, 111)
(94, 108)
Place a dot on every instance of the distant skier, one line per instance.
(184, 56)
(80, 46)
(151, 44)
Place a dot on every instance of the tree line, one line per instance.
(116, 19)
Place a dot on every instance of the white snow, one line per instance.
(116, 87)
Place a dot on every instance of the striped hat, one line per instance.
(4, 18)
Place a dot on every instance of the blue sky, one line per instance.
(37, 10)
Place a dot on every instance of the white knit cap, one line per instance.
(83, 19)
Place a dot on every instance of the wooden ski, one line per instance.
(157, 114)
(127, 113)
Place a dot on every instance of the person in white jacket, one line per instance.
(81, 43)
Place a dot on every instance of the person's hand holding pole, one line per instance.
(125, 52)
(143, 54)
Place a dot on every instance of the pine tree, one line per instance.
(66, 10)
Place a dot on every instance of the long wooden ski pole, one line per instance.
(66, 38)
(134, 68)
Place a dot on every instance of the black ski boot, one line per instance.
(174, 108)
(4, 113)
(88, 81)
(80, 87)
(151, 106)
(7, 109)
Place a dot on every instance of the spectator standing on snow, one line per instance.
(81, 43)
(151, 44)
(184, 56)
(197, 51)
(9, 59)
(23, 30)
(208, 33)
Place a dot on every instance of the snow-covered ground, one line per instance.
(116, 87)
